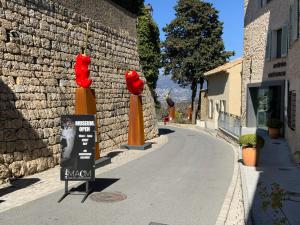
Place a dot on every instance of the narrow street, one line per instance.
(182, 183)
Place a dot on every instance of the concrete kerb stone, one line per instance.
(223, 215)
(248, 218)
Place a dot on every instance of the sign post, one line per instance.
(77, 151)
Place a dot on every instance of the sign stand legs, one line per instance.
(88, 191)
(66, 192)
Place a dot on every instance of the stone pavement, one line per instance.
(275, 166)
(41, 184)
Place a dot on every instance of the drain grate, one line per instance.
(108, 197)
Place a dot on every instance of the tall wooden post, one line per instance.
(136, 135)
(85, 104)
(172, 113)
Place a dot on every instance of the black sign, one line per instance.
(77, 147)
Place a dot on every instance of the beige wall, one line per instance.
(225, 85)
(258, 21)
(217, 90)
(234, 103)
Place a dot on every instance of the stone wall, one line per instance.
(37, 52)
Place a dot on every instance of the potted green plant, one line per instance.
(274, 126)
(249, 150)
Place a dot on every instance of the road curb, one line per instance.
(222, 218)
(248, 219)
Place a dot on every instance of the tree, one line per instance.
(149, 48)
(193, 45)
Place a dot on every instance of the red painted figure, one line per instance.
(166, 120)
(82, 70)
(134, 84)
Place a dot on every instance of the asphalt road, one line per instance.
(182, 183)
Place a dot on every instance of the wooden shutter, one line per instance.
(291, 111)
(295, 21)
(290, 27)
(269, 46)
(284, 40)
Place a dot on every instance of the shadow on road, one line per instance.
(97, 186)
(113, 154)
(164, 131)
(17, 185)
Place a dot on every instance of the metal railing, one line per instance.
(230, 124)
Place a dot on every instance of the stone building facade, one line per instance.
(38, 46)
(270, 80)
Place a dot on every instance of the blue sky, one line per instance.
(230, 12)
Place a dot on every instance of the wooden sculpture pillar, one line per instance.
(85, 104)
(172, 113)
(136, 135)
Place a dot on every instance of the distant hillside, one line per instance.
(178, 94)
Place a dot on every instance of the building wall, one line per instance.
(234, 100)
(218, 89)
(258, 21)
(257, 69)
(225, 85)
(293, 76)
(37, 53)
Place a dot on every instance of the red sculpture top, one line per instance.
(82, 70)
(134, 84)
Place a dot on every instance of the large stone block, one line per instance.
(4, 171)
(18, 168)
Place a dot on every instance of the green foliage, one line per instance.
(274, 123)
(297, 154)
(133, 6)
(193, 42)
(149, 48)
(248, 140)
(178, 117)
(274, 199)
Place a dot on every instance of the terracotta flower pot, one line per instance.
(250, 156)
(274, 133)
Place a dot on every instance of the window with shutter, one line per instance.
(284, 41)
(290, 27)
(291, 110)
(269, 45)
(262, 3)
(294, 17)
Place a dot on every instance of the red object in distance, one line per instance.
(134, 84)
(82, 71)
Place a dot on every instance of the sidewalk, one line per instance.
(275, 166)
(41, 184)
